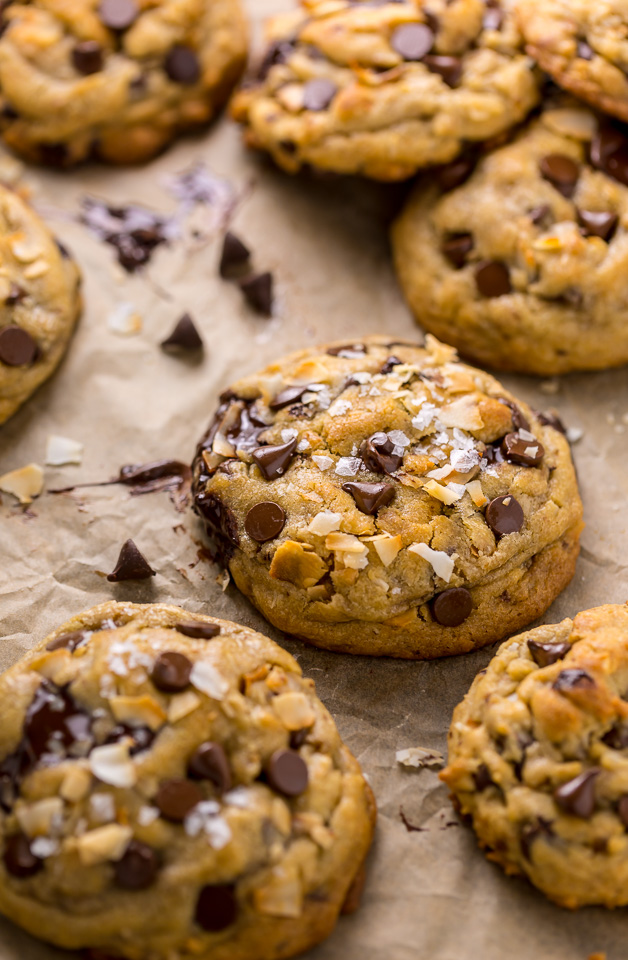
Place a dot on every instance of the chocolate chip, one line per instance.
(298, 737)
(561, 171)
(221, 524)
(389, 365)
(53, 154)
(184, 336)
(492, 278)
(456, 247)
(53, 716)
(287, 773)
(531, 832)
(550, 419)
(504, 515)
(370, 497)
(278, 52)
(584, 51)
(182, 65)
(449, 68)
(609, 152)
(264, 521)
(118, 14)
(318, 94)
(378, 454)
(216, 908)
(598, 224)
(235, 256)
(527, 453)
(273, 460)
(539, 215)
(17, 347)
(347, 350)
(574, 679)
(482, 778)
(545, 654)
(141, 737)
(412, 40)
(198, 630)
(171, 671)
(18, 859)
(138, 867)
(286, 397)
(131, 565)
(133, 231)
(16, 294)
(68, 641)
(453, 175)
(578, 795)
(519, 420)
(622, 810)
(209, 762)
(452, 607)
(87, 57)
(176, 798)
(258, 292)
(617, 737)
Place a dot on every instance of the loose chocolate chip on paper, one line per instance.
(287, 396)
(87, 57)
(370, 497)
(53, 716)
(216, 908)
(18, 859)
(526, 453)
(551, 419)
(412, 41)
(68, 641)
(574, 679)
(209, 762)
(17, 347)
(561, 171)
(138, 867)
(449, 68)
(318, 94)
(184, 336)
(131, 565)
(598, 224)
(452, 607)
(171, 671)
(182, 65)
(235, 256)
(118, 14)
(264, 521)
(492, 279)
(456, 248)
(258, 292)
(273, 460)
(504, 515)
(197, 630)
(287, 773)
(545, 654)
(577, 796)
(378, 454)
(176, 798)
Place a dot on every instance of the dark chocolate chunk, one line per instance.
(482, 778)
(527, 453)
(370, 497)
(176, 798)
(16, 294)
(258, 292)
(318, 93)
(622, 810)
(198, 630)
(221, 524)
(287, 773)
(277, 52)
(69, 641)
(17, 347)
(584, 51)
(545, 654)
(456, 248)
(171, 671)
(452, 607)
(519, 420)
(577, 796)
(286, 397)
(389, 365)
(138, 867)
(531, 832)
(182, 65)
(573, 679)
(449, 68)
(551, 419)
(598, 224)
(131, 565)
(492, 279)
(347, 350)
(87, 57)
(134, 232)
(617, 737)
(298, 737)
(235, 256)
(539, 215)
(54, 717)
(273, 460)
(264, 521)
(216, 908)
(18, 859)
(609, 152)
(184, 336)
(141, 737)
(118, 14)
(378, 454)
(53, 154)
(504, 515)
(209, 762)
(454, 174)
(412, 41)
(561, 171)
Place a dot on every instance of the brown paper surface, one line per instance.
(430, 894)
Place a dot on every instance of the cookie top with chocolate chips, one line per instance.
(39, 301)
(385, 88)
(538, 757)
(381, 497)
(524, 265)
(178, 772)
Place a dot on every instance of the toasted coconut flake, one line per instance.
(141, 711)
(419, 757)
(441, 562)
(112, 764)
(208, 679)
(388, 549)
(25, 483)
(103, 844)
(61, 451)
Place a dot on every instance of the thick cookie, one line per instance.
(537, 758)
(583, 45)
(525, 266)
(39, 302)
(171, 786)
(113, 78)
(383, 89)
(384, 498)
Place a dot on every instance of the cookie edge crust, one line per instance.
(582, 87)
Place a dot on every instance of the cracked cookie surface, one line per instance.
(380, 497)
(39, 302)
(117, 78)
(538, 758)
(383, 89)
(524, 267)
(171, 785)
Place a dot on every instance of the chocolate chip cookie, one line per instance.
(385, 88)
(525, 266)
(117, 79)
(383, 498)
(171, 786)
(39, 302)
(583, 46)
(537, 758)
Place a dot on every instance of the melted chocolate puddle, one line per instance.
(170, 475)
